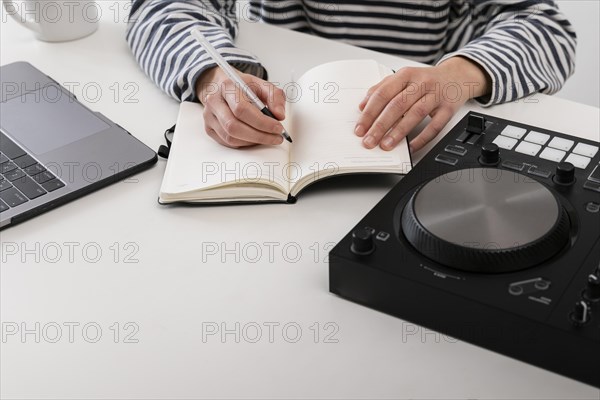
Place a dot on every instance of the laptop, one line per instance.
(53, 149)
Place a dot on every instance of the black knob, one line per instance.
(581, 313)
(438, 229)
(565, 174)
(362, 242)
(490, 154)
(592, 292)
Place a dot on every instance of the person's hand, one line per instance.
(231, 119)
(397, 104)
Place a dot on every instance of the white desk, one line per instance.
(174, 291)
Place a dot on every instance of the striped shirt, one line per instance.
(525, 46)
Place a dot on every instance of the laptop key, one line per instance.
(3, 206)
(12, 197)
(43, 177)
(29, 188)
(34, 169)
(7, 167)
(5, 185)
(3, 158)
(24, 161)
(10, 148)
(14, 175)
(52, 185)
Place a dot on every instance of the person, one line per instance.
(497, 51)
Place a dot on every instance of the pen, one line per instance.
(228, 69)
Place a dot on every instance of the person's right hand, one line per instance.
(231, 119)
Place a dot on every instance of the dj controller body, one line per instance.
(494, 239)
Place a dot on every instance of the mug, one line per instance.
(55, 20)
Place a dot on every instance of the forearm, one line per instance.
(158, 35)
(524, 47)
(470, 77)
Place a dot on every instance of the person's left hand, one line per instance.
(397, 104)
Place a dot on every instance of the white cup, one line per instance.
(55, 20)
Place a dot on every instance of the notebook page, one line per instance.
(197, 162)
(322, 124)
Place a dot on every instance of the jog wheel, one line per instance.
(486, 220)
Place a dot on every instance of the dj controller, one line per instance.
(494, 239)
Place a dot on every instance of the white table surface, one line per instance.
(178, 288)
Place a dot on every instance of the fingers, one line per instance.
(234, 144)
(364, 101)
(271, 95)
(397, 105)
(214, 130)
(376, 100)
(390, 116)
(232, 129)
(247, 112)
(413, 117)
(233, 120)
(440, 119)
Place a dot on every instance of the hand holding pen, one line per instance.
(240, 109)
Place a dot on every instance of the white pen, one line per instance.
(228, 69)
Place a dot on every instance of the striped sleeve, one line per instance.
(525, 46)
(158, 35)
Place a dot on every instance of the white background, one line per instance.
(584, 86)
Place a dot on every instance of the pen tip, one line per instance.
(287, 137)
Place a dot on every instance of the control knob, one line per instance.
(490, 154)
(592, 291)
(362, 242)
(581, 313)
(565, 174)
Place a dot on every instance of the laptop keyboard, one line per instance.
(22, 178)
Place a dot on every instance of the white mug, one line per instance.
(55, 20)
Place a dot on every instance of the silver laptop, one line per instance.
(53, 149)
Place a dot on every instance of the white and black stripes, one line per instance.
(525, 46)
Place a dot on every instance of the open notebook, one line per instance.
(321, 114)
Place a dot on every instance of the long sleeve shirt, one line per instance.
(524, 46)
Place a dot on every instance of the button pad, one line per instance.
(553, 154)
(592, 207)
(542, 173)
(578, 161)
(585, 150)
(593, 186)
(514, 132)
(456, 150)
(595, 175)
(515, 166)
(533, 143)
(441, 158)
(382, 236)
(537, 138)
(561, 144)
(505, 143)
(530, 149)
